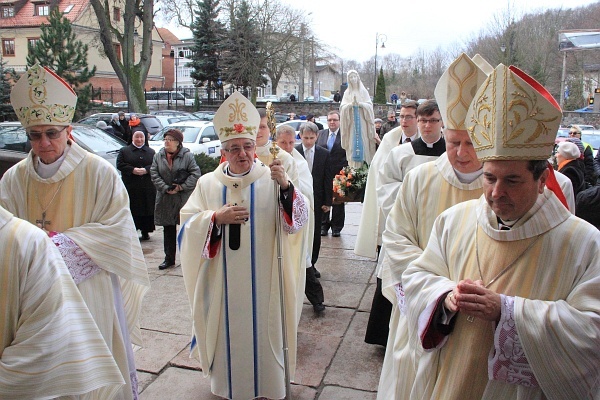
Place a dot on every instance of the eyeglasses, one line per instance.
(51, 134)
(573, 133)
(429, 121)
(407, 117)
(168, 139)
(237, 150)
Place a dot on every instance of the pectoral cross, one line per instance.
(41, 223)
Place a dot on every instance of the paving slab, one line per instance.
(169, 310)
(159, 349)
(367, 300)
(184, 360)
(356, 359)
(144, 380)
(333, 321)
(339, 270)
(315, 353)
(179, 383)
(342, 393)
(342, 294)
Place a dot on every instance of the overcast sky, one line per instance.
(350, 27)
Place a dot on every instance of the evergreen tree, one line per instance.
(208, 34)
(6, 111)
(380, 97)
(241, 63)
(59, 50)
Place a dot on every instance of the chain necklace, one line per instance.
(43, 222)
(504, 270)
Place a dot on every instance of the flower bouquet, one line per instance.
(349, 184)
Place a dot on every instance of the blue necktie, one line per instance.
(330, 141)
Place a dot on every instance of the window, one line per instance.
(117, 49)
(7, 11)
(8, 47)
(116, 14)
(31, 42)
(42, 9)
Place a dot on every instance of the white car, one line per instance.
(198, 136)
(270, 97)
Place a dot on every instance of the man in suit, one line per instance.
(330, 139)
(319, 163)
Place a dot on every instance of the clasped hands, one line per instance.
(474, 299)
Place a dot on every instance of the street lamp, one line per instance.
(378, 37)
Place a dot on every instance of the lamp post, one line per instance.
(378, 37)
(176, 74)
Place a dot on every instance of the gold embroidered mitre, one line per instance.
(481, 62)
(237, 118)
(455, 91)
(40, 97)
(513, 117)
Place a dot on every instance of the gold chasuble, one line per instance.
(428, 190)
(234, 294)
(86, 201)
(49, 343)
(556, 302)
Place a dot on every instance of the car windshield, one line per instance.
(592, 140)
(190, 133)
(95, 139)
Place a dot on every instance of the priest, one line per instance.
(49, 343)
(80, 201)
(427, 190)
(230, 263)
(504, 300)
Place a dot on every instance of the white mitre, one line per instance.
(236, 118)
(456, 89)
(513, 117)
(40, 97)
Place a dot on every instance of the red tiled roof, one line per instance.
(167, 36)
(24, 12)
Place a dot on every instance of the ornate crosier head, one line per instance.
(271, 123)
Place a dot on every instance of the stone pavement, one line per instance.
(334, 362)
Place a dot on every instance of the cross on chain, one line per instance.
(41, 223)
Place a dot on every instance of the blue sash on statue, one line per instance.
(357, 146)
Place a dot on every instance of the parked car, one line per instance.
(150, 122)
(167, 99)
(584, 127)
(205, 115)
(585, 109)
(320, 99)
(270, 97)
(198, 136)
(281, 117)
(593, 139)
(121, 104)
(287, 97)
(14, 145)
(174, 113)
(166, 120)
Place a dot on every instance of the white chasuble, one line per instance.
(86, 201)
(556, 308)
(427, 191)
(49, 344)
(234, 294)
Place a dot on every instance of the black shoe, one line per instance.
(317, 273)
(335, 234)
(323, 232)
(318, 308)
(145, 236)
(165, 265)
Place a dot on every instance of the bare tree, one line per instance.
(132, 75)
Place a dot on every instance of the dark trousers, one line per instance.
(170, 243)
(378, 326)
(338, 215)
(317, 237)
(313, 289)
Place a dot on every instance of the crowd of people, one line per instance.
(487, 279)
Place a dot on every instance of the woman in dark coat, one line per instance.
(170, 163)
(134, 162)
(569, 165)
